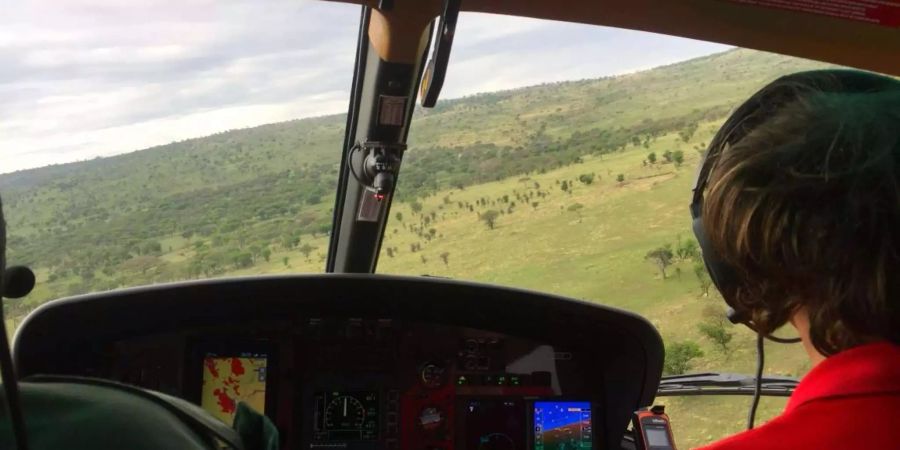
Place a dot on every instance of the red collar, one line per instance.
(864, 370)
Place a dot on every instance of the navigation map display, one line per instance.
(228, 380)
(562, 425)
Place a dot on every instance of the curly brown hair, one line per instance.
(803, 202)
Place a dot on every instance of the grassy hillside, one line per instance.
(546, 159)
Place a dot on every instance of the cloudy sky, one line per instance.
(87, 78)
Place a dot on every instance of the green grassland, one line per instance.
(259, 201)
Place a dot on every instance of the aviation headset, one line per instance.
(752, 113)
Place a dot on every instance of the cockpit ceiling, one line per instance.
(857, 33)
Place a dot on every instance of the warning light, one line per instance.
(379, 197)
(462, 380)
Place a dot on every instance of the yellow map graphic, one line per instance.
(227, 381)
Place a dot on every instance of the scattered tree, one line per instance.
(678, 158)
(687, 249)
(714, 328)
(445, 257)
(702, 277)
(306, 249)
(490, 218)
(662, 257)
(651, 158)
(688, 132)
(586, 178)
(620, 177)
(242, 260)
(679, 357)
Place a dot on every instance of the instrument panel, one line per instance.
(413, 364)
(377, 383)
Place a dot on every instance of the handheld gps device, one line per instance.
(652, 430)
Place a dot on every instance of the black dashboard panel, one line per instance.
(366, 361)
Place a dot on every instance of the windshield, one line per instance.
(157, 143)
(167, 141)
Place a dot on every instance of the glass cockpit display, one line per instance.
(562, 425)
(494, 424)
(346, 416)
(231, 379)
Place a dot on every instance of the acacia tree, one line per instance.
(678, 158)
(306, 249)
(687, 249)
(490, 218)
(713, 327)
(703, 278)
(679, 357)
(662, 256)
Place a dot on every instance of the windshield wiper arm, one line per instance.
(724, 384)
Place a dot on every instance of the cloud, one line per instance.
(87, 78)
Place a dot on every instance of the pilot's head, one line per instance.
(798, 207)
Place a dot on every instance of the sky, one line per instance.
(86, 78)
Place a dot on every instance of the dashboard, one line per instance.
(366, 361)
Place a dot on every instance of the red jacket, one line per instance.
(851, 400)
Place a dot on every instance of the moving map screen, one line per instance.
(562, 425)
(228, 380)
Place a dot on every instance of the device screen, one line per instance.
(228, 380)
(346, 416)
(562, 425)
(497, 424)
(657, 437)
